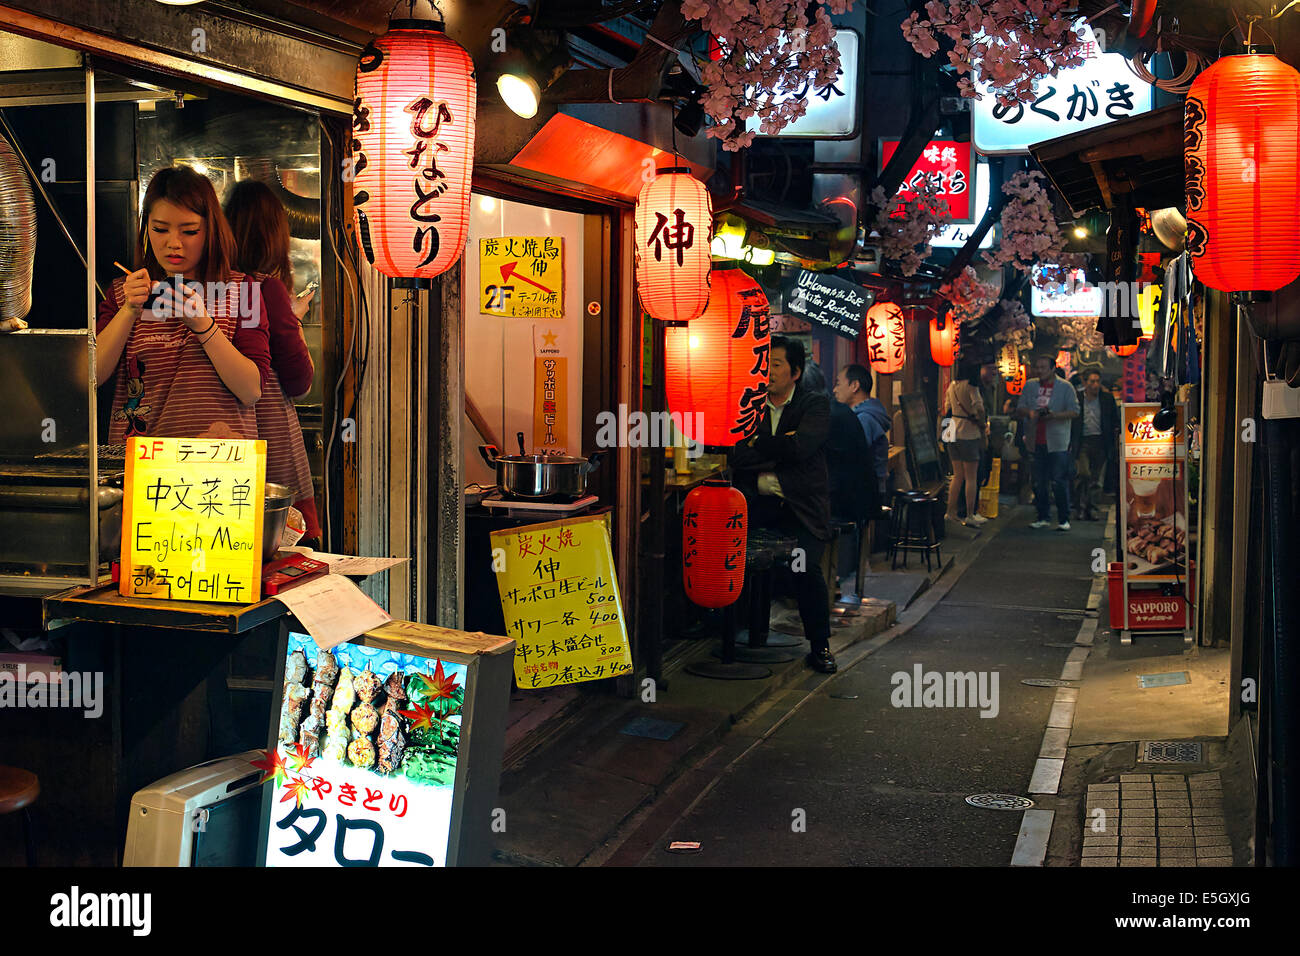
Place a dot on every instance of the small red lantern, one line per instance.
(716, 368)
(1016, 385)
(1124, 351)
(674, 226)
(413, 149)
(1241, 138)
(715, 523)
(1064, 361)
(886, 337)
(943, 341)
(1008, 361)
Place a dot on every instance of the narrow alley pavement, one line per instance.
(849, 778)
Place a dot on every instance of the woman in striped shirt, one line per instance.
(261, 230)
(195, 362)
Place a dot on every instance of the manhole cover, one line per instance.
(1047, 682)
(1171, 751)
(999, 801)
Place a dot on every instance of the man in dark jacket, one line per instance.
(853, 388)
(782, 470)
(1096, 439)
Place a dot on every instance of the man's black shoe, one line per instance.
(822, 660)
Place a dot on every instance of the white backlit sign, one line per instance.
(832, 110)
(1074, 297)
(1101, 91)
(954, 237)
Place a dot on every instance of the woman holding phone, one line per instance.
(261, 231)
(191, 364)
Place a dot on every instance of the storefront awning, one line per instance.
(1141, 156)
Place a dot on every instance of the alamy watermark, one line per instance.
(628, 429)
(922, 688)
(215, 295)
(76, 690)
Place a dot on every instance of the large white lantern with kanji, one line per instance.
(413, 149)
(674, 226)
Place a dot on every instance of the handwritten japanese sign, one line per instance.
(1100, 91)
(192, 519)
(365, 764)
(522, 276)
(944, 163)
(830, 301)
(561, 603)
(550, 391)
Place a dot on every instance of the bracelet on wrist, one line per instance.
(199, 335)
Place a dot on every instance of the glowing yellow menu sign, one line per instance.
(192, 524)
(561, 603)
(522, 277)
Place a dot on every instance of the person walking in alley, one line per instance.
(853, 388)
(1049, 404)
(782, 470)
(969, 432)
(1096, 432)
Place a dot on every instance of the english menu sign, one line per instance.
(830, 301)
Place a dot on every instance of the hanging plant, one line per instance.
(906, 227)
(1030, 236)
(970, 298)
(773, 57)
(1009, 44)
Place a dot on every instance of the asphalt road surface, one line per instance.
(853, 780)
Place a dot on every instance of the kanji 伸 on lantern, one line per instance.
(413, 149)
(886, 337)
(1241, 144)
(716, 368)
(674, 225)
(715, 520)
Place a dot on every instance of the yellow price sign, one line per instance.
(522, 277)
(192, 519)
(560, 598)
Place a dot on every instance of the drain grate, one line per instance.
(1171, 751)
(999, 801)
(1048, 682)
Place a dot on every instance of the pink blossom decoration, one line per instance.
(907, 227)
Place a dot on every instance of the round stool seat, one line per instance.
(18, 789)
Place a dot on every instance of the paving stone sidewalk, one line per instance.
(1161, 819)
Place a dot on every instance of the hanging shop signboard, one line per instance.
(1153, 519)
(957, 235)
(522, 277)
(1073, 297)
(192, 519)
(550, 391)
(832, 110)
(560, 600)
(828, 300)
(946, 164)
(1102, 90)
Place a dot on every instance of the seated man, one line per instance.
(782, 470)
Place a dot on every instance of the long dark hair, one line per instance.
(261, 230)
(183, 187)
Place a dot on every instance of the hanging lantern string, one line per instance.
(410, 8)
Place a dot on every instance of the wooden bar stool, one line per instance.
(18, 791)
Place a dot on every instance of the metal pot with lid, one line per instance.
(540, 476)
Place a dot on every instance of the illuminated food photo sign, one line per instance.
(365, 765)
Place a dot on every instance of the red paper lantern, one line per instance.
(1008, 361)
(1124, 351)
(413, 149)
(1016, 385)
(716, 368)
(1064, 361)
(715, 521)
(1242, 148)
(674, 226)
(886, 337)
(943, 341)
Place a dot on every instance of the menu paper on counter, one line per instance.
(366, 758)
(192, 519)
(350, 564)
(332, 609)
(560, 600)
